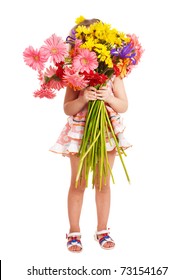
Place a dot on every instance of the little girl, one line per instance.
(68, 144)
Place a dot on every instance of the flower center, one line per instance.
(36, 57)
(84, 61)
(54, 50)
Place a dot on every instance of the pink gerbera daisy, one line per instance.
(54, 80)
(85, 61)
(34, 58)
(74, 80)
(55, 48)
(44, 92)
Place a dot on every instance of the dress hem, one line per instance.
(68, 153)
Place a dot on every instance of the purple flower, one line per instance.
(71, 39)
(125, 52)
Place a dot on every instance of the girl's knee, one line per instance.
(103, 188)
(80, 187)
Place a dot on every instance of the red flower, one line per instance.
(95, 78)
(116, 70)
(60, 70)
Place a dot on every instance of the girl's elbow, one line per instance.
(66, 111)
(124, 108)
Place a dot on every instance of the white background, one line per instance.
(151, 219)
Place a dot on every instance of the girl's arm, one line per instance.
(119, 101)
(74, 103)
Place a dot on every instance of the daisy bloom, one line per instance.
(34, 58)
(74, 80)
(85, 61)
(55, 48)
(44, 92)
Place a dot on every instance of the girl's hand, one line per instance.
(89, 94)
(104, 93)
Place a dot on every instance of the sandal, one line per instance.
(74, 240)
(104, 239)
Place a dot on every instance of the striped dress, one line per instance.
(69, 140)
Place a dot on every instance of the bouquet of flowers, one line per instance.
(90, 56)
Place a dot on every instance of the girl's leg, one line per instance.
(75, 199)
(103, 200)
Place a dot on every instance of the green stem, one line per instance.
(90, 108)
(103, 145)
(93, 154)
(83, 157)
(117, 145)
(88, 130)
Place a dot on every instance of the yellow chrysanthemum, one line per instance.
(81, 31)
(100, 31)
(79, 19)
(89, 44)
(124, 37)
(96, 26)
(112, 38)
(109, 62)
(103, 54)
(101, 49)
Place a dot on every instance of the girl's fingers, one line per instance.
(91, 89)
(102, 91)
(92, 95)
(99, 96)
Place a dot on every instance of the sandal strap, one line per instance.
(74, 239)
(74, 242)
(102, 232)
(106, 238)
(73, 234)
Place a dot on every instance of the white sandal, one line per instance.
(104, 239)
(74, 240)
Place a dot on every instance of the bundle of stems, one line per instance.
(92, 152)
